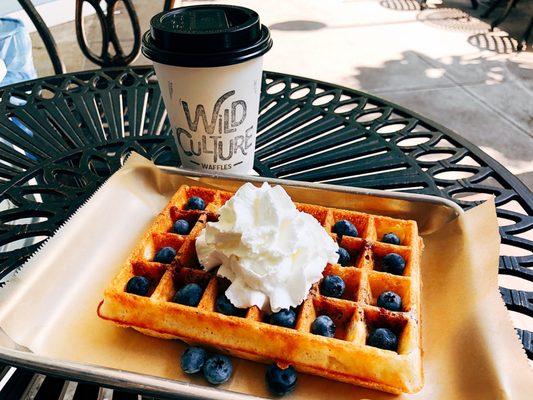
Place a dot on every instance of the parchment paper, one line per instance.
(470, 348)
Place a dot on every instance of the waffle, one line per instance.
(346, 357)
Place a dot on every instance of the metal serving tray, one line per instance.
(429, 211)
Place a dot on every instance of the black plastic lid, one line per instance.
(205, 36)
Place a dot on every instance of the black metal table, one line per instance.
(61, 137)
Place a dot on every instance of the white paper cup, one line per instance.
(213, 113)
(208, 61)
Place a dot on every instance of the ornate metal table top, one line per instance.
(61, 137)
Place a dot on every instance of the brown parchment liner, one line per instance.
(470, 348)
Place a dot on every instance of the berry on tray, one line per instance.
(332, 286)
(345, 228)
(384, 339)
(165, 255)
(285, 317)
(193, 359)
(195, 203)
(393, 263)
(323, 326)
(344, 256)
(189, 295)
(181, 227)
(391, 238)
(138, 285)
(390, 301)
(224, 306)
(217, 369)
(281, 381)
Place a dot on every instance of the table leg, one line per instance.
(491, 8)
(525, 37)
(501, 18)
(169, 5)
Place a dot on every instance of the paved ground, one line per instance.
(436, 61)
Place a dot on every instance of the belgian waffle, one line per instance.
(346, 357)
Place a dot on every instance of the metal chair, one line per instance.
(106, 18)
(110, 38)
(46, 36)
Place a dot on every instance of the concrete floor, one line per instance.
(437, 62)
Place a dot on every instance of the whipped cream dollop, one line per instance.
(271, 252)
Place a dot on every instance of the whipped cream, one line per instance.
(271, 252)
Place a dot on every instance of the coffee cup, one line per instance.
(208, 61)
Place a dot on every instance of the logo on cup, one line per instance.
(223, 137)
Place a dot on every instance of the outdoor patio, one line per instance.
(430, 77)
(437, 62)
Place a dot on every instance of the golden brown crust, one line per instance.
(345, 358)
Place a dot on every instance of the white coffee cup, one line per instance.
(208, 61)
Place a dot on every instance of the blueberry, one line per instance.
(345, 228)
(285, 317)
(323, 326)
(165, 255)
(390, 238)
(390, 301)
(224, 306)
(344, 256)
(281, 381)
(384, 339)
(195, 203)
(217, 369)
(189, 295)
(193, 359)
(181, 227)
(393, 264)
(332, 286)
(138, 285)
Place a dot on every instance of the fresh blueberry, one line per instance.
(281, 381)
(224, 306)
(345, 228)
(189, 295)
(165, 255)
(181, 227)
(332, 286)
(193, 359)
(195, 203)
(393, 264)
(384, 339)
(390, 301)
(138, 285)
(285, 317)
(217, 369)
(344, 256)
(323, 326)
(390, 238)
